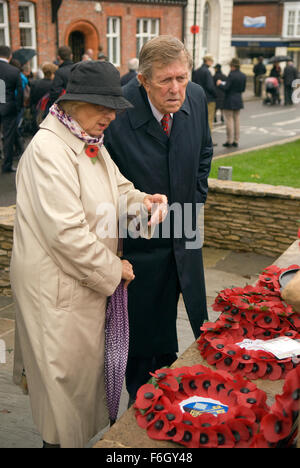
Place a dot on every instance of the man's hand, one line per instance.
(157, 206)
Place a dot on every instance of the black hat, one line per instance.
(96, 83)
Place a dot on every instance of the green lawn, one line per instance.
(277, 165)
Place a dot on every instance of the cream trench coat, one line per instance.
(61, 275)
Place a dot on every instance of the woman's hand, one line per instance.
(157, 206)
(127, 272)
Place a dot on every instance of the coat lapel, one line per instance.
(141, 115)
(180, 120)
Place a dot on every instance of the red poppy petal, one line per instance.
(275, 427)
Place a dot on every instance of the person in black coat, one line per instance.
(259, 71)
(61, 77)
(163, 144)
(133, 66)
(234, 86)
(39, 88)
(219, 75)
(9, 109)
(289, 75)
(203, 77)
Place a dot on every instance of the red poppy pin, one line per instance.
(92, 152)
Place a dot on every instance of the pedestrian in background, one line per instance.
(289, 75)
(219, 75)
(40, 89)
(133, 66)
(259, 71)
(234, 86)
(203, 77)
(163, 144)
(62, 75)
(10, 109)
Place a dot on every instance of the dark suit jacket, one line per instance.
(177, 166)
(38, 89)
(127, 77)
(234, 87)
(289, 75)
(203, 77)
(13, 86)
(60, 80)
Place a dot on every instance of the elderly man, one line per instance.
(163, 144)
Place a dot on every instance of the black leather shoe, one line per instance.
(235, 144)
(227, 145)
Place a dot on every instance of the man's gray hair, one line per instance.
(162, 50)
(133, 64)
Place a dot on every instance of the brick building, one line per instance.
(266, 27)
(118, 28)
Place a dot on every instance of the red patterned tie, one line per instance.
(165, 123)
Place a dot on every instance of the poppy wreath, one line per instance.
(253, 312)
(248, 422)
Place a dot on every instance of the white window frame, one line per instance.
(32, 26)
(289, 8)
(114, 37)
(143, 37)
(5, 26)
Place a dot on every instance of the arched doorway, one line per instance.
(80, 36)
(77, 44)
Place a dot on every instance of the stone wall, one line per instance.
(251, 217)
(7, 215)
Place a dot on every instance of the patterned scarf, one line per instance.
(74, 126)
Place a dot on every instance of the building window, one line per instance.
(4, 29)
(291, 26)
(113, 40)
(27, 29)
(205, 28)
(147, 28)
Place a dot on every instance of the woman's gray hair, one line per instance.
(162, 50)
(70, 107)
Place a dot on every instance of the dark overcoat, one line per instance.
(234, 87)
(178, 167)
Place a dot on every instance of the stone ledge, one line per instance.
(253, 189)
(7, 217)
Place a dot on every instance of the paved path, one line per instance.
(222, 269)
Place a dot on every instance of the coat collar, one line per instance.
(52, 124)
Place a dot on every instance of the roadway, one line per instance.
(260, 125)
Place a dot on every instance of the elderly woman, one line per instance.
(61, 272)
